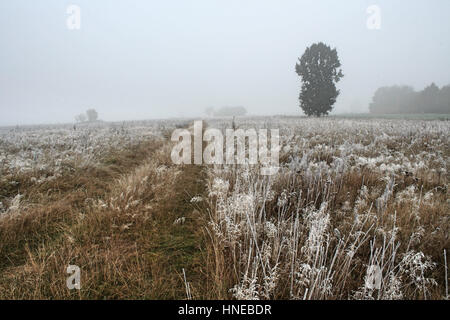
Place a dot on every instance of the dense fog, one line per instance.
(161, 59)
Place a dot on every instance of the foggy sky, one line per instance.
(157, 59)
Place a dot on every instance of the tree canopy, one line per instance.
(319, 68)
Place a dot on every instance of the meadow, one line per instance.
(359, 209)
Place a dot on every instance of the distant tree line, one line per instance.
(403, 99)
(226, 112)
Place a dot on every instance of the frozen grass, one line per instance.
(113, 217)
(353, 198)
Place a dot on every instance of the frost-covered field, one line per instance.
(43, 153)
(25, 149)
(359, 209)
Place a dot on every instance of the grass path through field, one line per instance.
(117, 223)
(180, 245)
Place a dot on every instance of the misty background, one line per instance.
(159, 59)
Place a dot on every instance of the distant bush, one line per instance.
(91, 115)
(230, 112)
